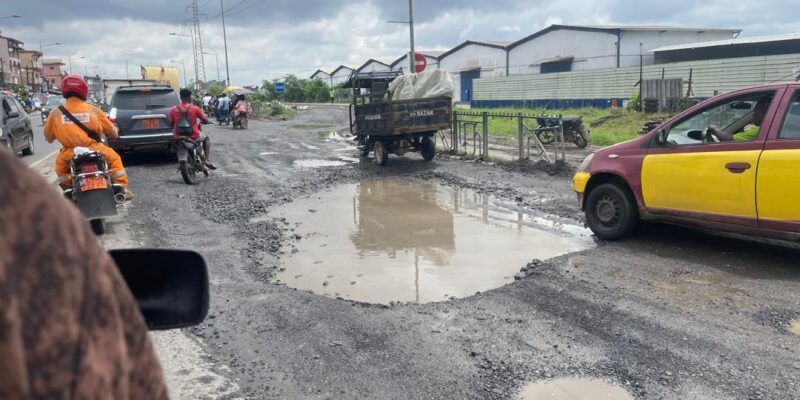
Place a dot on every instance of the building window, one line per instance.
(561, 66)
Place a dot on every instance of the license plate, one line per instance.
(93, 183)
(150, 123)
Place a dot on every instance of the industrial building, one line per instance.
(471, 60)
(562, 48)
(738, 47)
(373, 65)
(321, 75)
(341, 74)
(431, 61)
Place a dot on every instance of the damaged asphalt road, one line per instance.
(668, 314)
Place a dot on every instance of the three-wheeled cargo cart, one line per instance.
(383, 125)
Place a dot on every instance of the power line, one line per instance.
(227, 10)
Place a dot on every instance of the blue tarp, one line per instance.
(550, 104)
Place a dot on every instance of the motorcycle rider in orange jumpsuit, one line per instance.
(60, 127)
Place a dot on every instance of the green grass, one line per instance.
(620, 126)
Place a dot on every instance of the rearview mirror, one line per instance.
(13, 114)
(170, 286)
(661, 137)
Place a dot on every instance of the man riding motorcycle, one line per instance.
(61, 127)
(192, 113)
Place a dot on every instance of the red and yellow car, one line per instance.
(730, 163)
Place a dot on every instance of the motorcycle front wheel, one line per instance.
(187, 172)
(546, 136)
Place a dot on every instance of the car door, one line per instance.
(694, 178)
(778, 180)
(13, 123)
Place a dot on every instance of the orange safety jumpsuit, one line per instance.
(60, 127)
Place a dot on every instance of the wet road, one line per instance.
(668, 314)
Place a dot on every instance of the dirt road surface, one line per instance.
(668, 314)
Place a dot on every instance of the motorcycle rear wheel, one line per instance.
(187, 172)
(580, 140)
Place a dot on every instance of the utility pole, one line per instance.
(197, 46)
(126, 69)
(225, 41)
(412, 56)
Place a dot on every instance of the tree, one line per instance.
(215, 90)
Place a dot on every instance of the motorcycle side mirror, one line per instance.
(661, 137)
(170, 286)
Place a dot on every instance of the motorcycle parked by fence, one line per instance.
(574, 130)
(92, 190)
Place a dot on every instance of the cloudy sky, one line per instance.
(270, 38)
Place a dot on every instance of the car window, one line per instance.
(135, 100)
(8, 106)
(732, 116)
(791, 124)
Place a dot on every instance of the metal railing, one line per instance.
(471, 134)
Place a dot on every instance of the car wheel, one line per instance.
(28, 151)
(611, 211)
(381, 153)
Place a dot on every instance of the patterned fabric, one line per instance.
(69, 326)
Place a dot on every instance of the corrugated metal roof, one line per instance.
(729, 42)
(650, 28)
(494, 42)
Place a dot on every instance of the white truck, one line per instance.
(110, 86)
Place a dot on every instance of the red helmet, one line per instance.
(74, 84)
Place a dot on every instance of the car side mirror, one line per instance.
(696, 135)
(13, 114)
(170, 286)
(661, 137)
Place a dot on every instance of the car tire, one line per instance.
(611, 211)
(381, 153)
(28, 151)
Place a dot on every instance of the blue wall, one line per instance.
(550, 104)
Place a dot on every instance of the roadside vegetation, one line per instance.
(607, 126)
(304, 91)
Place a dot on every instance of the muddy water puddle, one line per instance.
(573, 389)
(408, 241)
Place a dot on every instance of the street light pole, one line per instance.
(216, 58)
(225, 41)
(412, 56)
(69, 60)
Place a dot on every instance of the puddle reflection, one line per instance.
(382, 241)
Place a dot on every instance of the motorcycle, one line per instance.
(224, 118)
(574, 131)
(240, 121)
(191, 159)
(92, 191)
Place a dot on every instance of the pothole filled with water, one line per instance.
(573, 389)
(410, 241)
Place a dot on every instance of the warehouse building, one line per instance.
(373, 65)
(321, 75)
(431, 61)
(738, 47)
(562, 48)
(341, 74)
(471, 60)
